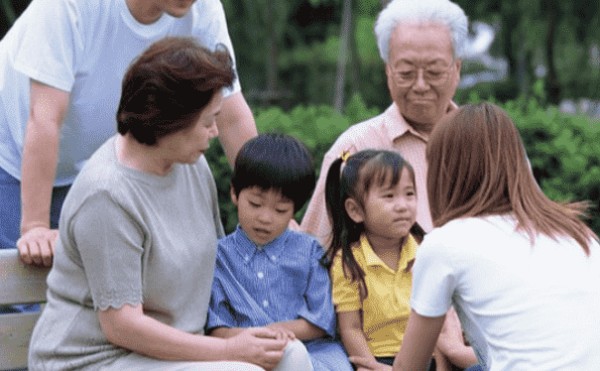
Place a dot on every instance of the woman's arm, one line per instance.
(418, 343)
(130, 328)
(451, 343)
(295, 329)
(48, 106)
(226, 332)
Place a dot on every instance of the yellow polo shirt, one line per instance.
(387, 306)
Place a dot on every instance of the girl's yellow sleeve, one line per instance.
(345, 293)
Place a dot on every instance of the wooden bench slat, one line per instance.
(15, 333)
(20, 283)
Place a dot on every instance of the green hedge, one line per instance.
(564, 150)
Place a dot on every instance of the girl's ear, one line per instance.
(354, 210)
(234, 198)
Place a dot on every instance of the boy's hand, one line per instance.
(282, 332)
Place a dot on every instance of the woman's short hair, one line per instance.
(443, 12)
(168, 85)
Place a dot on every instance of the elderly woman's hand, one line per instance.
(258, 345)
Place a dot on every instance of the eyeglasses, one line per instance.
(434, 75)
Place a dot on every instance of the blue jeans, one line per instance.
(10, 221)
(390, 361)
(328, 355)
(10, 209)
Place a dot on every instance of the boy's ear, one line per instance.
(234, 198)
(354, 210)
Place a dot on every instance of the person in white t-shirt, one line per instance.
(61, 65)
(522, 271)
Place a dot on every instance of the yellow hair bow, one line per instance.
(344, 156)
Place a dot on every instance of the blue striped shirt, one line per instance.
(281, 281)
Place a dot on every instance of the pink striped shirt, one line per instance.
(387, 131)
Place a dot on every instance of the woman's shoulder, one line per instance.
(471, 231)
(100, 169)
(473, 225)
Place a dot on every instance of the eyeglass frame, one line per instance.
(443, 78)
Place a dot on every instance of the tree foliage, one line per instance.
(556, 41)
(289, 56)
(562, 148)
(295, 52)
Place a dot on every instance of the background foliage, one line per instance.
(563, 149)
(311, 68)
(315, 51)
(323, 51)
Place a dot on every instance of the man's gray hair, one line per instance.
(443, 12)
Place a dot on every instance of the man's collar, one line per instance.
(397, 125)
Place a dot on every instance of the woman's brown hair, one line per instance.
(168, 85)
(478, 166)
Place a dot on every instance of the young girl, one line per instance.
(371, 201)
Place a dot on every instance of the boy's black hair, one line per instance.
(275, 161)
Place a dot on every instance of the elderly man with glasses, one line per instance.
(421, 43)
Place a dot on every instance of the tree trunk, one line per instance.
(552, 84)
(271, 62)
(354, 62)
(509, 23)
(345, 34)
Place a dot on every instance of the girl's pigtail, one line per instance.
(417, 232)
(345, 232)
(335, 209)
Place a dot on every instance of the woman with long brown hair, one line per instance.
(522, 271)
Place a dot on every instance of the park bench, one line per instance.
(19, 284)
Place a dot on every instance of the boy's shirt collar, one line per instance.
(247, 249)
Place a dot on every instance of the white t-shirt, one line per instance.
(522, 307)
(84, 48)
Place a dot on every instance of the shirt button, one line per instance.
(265, 303)
(260, 275)
(273, 258)
(246, 258)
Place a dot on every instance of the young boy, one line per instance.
(267, 275)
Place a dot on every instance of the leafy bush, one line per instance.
(564, 152)
(563, 149)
